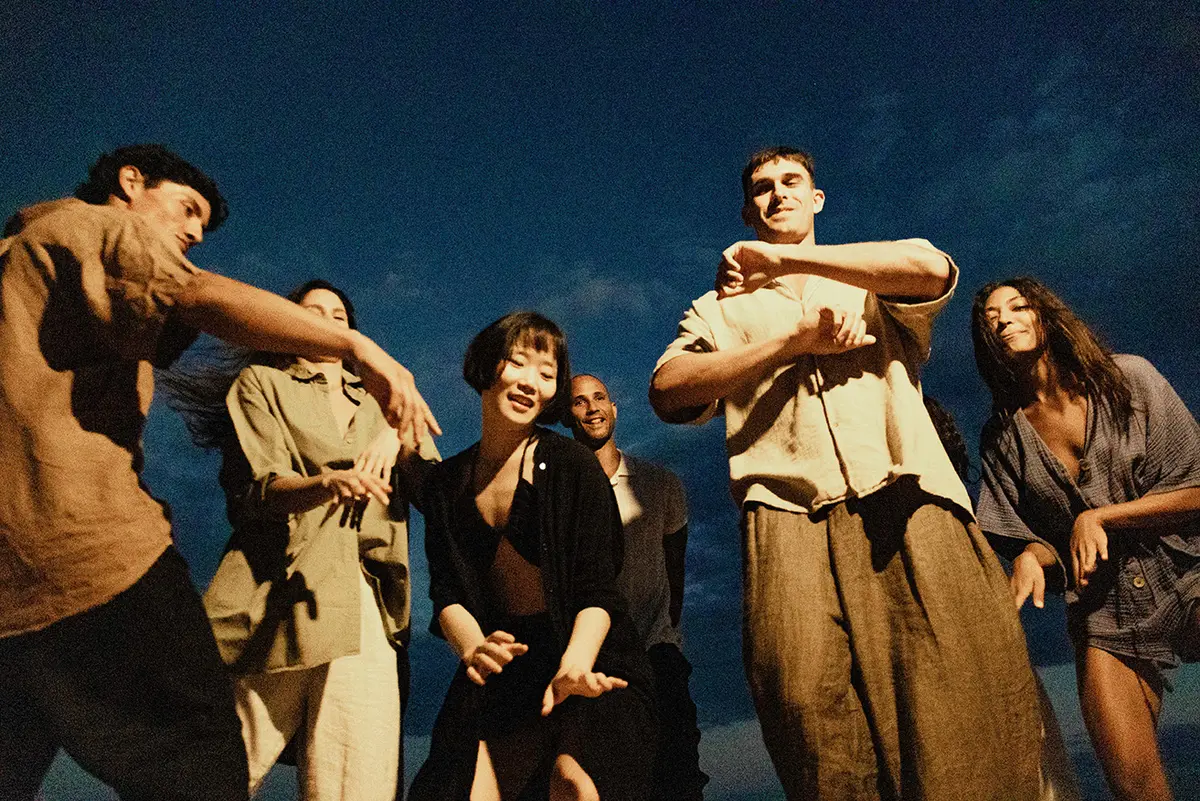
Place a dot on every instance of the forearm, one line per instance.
(591, 627)
(897, 269)
(461, 629)
(255, 318)
(292, 495)
(1160, 508)
(694, 380)
(1045, 557)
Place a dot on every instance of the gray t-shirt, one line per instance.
(653, 507)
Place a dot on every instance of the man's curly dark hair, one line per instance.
(157, 164)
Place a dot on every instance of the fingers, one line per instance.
(548, 700)
(1039, 589)
(1079, 580)
(475, 676)
(1020, 589)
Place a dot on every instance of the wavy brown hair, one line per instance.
(1084, 365)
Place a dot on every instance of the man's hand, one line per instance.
(1089, 540)
(572, 680)
(826, 330)
(745, 266)
(1028, 578)
(390, 383)
(491, 655)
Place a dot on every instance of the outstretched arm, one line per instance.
(253, 317)
(691, 381)
(905, 269)
(575, 674)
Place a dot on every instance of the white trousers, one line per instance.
(345, 716)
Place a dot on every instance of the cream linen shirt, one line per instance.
(825, 428)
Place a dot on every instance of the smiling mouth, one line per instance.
(522, 401)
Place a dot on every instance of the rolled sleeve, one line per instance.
(694, 335)
(260, 435)
(917, 318)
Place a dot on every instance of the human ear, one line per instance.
(818, 200)
(130, 182)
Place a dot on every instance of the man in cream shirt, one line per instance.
(880, 641)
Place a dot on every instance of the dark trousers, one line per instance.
(134, 690)
(677, 773)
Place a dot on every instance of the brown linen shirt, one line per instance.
(85, 296)
(825, 428)
(286, 594)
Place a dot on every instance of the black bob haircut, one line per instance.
(486, 354)
(157, 164)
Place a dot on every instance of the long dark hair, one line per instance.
(197, 385)
(1084, 366)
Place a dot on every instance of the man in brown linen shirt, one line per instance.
(105, 649)
(882, 649)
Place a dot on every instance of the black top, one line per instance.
(579, 547)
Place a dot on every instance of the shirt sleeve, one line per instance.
(999, 499)
(917, 318)
(260, 433)
(130, 286)
(598, 548)
(445, 582)
(675, 503)
(694, 335)
(1172, 436)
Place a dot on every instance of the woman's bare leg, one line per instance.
(1120, 707)
(484, 786)
(570, 782)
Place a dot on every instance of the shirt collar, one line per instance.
(302, 372)
(624, 469)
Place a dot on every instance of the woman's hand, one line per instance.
(379, 457)
(348, 486)
(1089, 540)
(1028, 577)
(573, 680)
(491, 655)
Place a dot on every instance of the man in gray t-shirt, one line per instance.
(654, 518)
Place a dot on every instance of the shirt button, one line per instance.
(1139, 582)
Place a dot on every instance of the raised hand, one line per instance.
(491, 655)
(744, 266)
(392, 385)
(351, 485)
(571, 680)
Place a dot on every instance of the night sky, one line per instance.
(446, 163)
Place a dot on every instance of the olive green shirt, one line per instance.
(286, 594)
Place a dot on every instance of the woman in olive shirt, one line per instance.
(311, 599)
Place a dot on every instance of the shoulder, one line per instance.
(1138, 371)
(567, 459)
(651, 472)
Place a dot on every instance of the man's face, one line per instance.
(593, 412)
(782, 202)
(177, 210)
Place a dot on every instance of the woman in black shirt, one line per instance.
(524, 540)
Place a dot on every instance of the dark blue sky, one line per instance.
(448, 162)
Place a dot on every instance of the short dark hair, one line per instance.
(769, 154)
(1085, 366)
(297, 295)
(491, 346)
(157, 164)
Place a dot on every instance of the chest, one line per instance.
(1063, 430)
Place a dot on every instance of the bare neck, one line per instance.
(609, 456)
